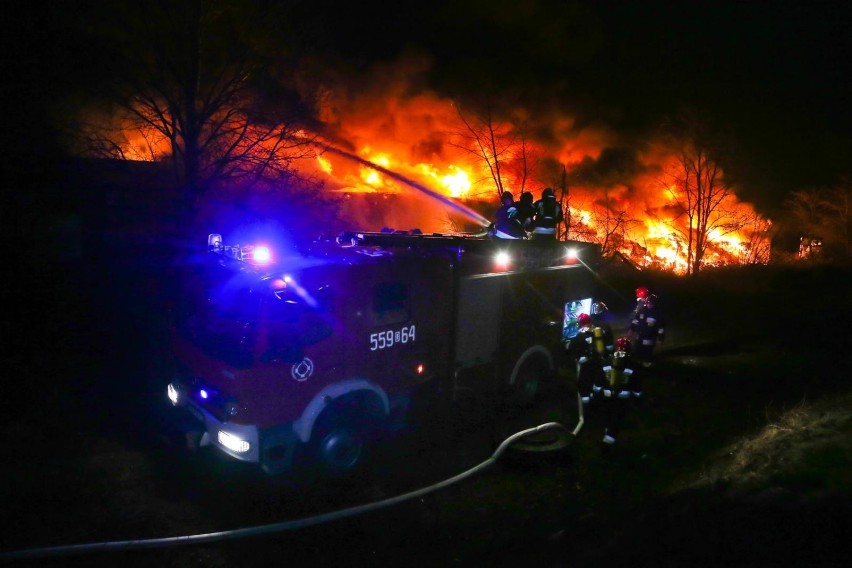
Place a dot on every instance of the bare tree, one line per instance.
(698, 186)
(193, 86)
(757, 249)
(601, 222)
(612, 225)
(501, 144)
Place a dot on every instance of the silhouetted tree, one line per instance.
(612, 225)
(501, 144)
(698, 186)
(205, 85)
(758, 247)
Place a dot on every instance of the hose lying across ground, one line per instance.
(124, 545)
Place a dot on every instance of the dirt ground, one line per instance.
(707, 471)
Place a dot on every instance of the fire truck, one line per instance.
(313, 356)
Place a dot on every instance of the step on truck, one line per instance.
(312, 357)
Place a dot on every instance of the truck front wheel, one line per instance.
(343, 440)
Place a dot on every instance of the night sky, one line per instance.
(776, 73)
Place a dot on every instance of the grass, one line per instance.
(806, 449)
(740, 456)
(744, 457)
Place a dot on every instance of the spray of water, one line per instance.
(447, 201)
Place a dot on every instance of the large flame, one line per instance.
(420, 137)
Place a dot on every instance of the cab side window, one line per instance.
(390, 303)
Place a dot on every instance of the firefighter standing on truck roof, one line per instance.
(582, 348)
(548, 215)
(614, 388)
(648, 331)
(526, 211)
(506, 223)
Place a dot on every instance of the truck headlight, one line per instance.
(173, 393)
(233, 443)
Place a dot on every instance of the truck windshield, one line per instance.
(240, 321)
(221, 320)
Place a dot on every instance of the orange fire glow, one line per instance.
(421, 137)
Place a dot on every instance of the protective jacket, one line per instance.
(647, 329)
(616, 379)
(526, 211)
(589, 362)
(614, 389)
(640, 303)
(506, 223)
(548, 214)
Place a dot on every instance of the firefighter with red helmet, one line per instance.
(642, 293)
(589, 362)
(648, 331)
(614, 389)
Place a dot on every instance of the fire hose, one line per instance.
(244, 532)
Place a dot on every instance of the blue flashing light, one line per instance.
(203, 394)
(261, 255)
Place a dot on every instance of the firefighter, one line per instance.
(506, 223)
(548, 215)
(614, 388)
(589, 362)
(604, 339)
(641, 293)
(648, 330)
(526, 211)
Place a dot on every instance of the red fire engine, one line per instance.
(313, 355)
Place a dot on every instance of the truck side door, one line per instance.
(400, 322)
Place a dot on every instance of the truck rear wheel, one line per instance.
(526, 383)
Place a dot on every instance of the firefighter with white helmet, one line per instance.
(614, 388)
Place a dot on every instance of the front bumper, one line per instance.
(239, 441)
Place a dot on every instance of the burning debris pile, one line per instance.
(387, 155)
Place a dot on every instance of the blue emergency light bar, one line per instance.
(255, 254)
